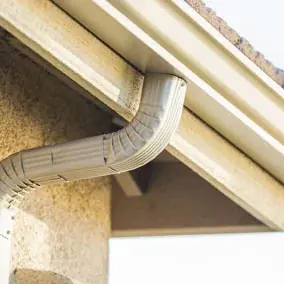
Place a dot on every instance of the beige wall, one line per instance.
(61, 232)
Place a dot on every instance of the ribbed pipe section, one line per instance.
(129, 148)
(156, 120)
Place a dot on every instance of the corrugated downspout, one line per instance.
(127, 149)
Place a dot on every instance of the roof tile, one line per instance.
(241, 43)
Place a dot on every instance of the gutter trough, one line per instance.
(225, 89)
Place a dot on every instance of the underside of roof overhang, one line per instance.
(225, 89)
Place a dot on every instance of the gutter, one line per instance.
(225, 88)
(71, 49)
(131, 147)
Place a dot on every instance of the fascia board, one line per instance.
(226, 89)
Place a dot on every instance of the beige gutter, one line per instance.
(92, 65)
(226, 89)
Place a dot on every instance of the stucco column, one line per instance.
(60, 232)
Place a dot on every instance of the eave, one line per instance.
(226, 89)
(92, 65)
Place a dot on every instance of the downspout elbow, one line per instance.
(135, 145)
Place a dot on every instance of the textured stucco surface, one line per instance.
(61, 232)
(241, 43)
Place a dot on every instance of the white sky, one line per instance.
(259, 21)
(222, 259)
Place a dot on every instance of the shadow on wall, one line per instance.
(29, 276)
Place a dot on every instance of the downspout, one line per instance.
(127, 149)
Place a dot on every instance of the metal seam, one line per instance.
(104, 153)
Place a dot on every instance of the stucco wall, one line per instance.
(61, 232)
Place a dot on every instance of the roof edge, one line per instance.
(237, 40)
